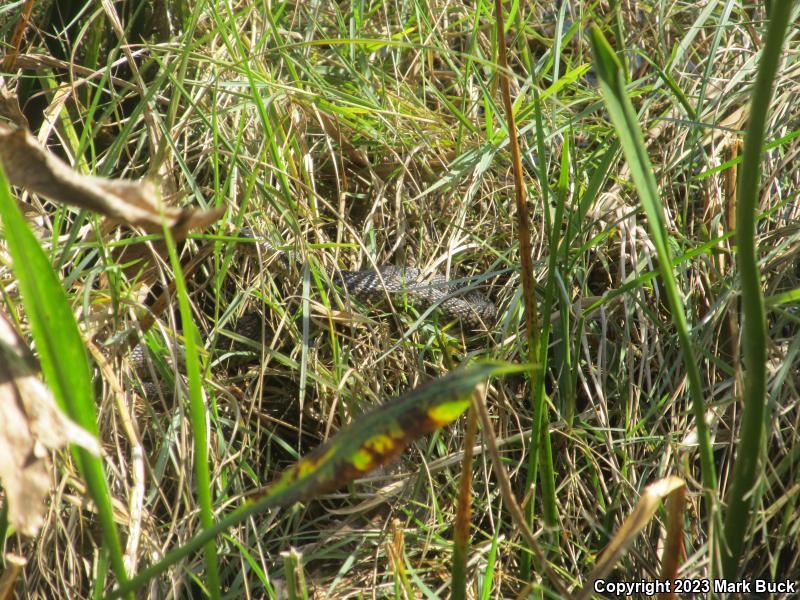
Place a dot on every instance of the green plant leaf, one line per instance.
(62, 354)
(746, 473)
(626, 125)
(378, 437)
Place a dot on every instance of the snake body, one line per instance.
(407, 285)
(402, 285)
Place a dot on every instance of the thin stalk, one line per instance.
(540, 433)
(464, 513)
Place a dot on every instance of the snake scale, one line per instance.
(404, 286)
(472, 308)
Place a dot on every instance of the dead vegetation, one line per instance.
(358, 134)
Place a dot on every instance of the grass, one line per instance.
(63, 358)
(370, 133)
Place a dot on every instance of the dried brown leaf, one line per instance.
(9, 106)
(30, 423)
(673, 548)
(642, 513)
(30, 166)
(9, 577)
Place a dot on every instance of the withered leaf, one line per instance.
(642, 513)
(9, 577)
(30, 166)
(30, 423)
(9, 106)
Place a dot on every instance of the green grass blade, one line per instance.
(488, 575)
(4, 530)
(296, 588)
(541, 455)
(62, 355)
(754, 333)
(612, 85)
(198, 418)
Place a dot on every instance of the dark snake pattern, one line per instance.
(407, 285)
(402, 285)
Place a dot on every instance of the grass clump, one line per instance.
(361, 134)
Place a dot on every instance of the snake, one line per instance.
(407, 285)
(454, 299)
(404, 286)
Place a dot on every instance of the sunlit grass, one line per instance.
(357, 134)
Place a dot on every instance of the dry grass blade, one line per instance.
(19, 34)
(540, 435)
(461, 537)
(520, 196)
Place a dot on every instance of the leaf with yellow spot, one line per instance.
(381, 435)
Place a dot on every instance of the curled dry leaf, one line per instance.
(674, 551)
(9, 577)
(643, 512)
(30, 166)
(9, 106)
(30, 423)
